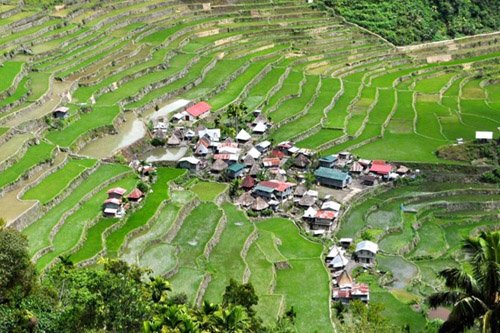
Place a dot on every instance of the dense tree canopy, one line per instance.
(411, 21)
(114, 297)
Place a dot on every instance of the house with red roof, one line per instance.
(381, 167)
(271, 162)
(198, 111)
(274, 189)
(136, 195)
(116, 193)
(112, 207)
(323, 219)
(248, 183)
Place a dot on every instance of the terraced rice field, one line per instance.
(323, 83)
(419, 230)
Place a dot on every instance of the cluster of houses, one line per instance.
(345, 289)
(116, 206)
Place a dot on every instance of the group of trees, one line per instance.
(113, 297)
(411, 21)
(116, 297)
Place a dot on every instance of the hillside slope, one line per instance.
(412, 21)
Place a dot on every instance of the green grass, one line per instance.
(432, 241)
(99, 117)
(313, 117)
(93, 243)
(196, 231)
(73, 228)
(258, 93)
(225, 261)
(235, 88)
(148, 209)
(294, 106)
(208, 191)
(303, 256)
(38, 232)
(55, 183)
(434, 84)
(337, 115)
(8, 72)
(34, 155)
(290, 87)
(324, 135)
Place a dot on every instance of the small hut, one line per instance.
(259, 205)
(356, 167)
(245, 200)
(301, 161)
(249, 161)
(300, 190)
(307, 201)
(254, 170)
(173, 141)
(248, 183)
(218, 166)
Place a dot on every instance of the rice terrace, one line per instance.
(295, 148)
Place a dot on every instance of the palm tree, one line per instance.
(475, 295)
(231, 320)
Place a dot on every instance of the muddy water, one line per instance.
(403, 271)
(11, 207)
(165, 154)
(130, 132)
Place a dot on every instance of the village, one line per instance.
(269, 178)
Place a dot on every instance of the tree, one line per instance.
(17, 275)
(474, 295)
(240, 294)
(235, 112)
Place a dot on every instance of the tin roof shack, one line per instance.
(274, 189)
(347, 290)
(190, 163)
(333, 178)
(369, 180)
(235, 170)
(61, 112)
(328, 161)
(366, 252)
(324, 219)
(263, 146)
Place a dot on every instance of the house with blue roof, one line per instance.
(331, 177)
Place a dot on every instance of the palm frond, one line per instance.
(456, 278)
(463, 315)
(444, 298)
